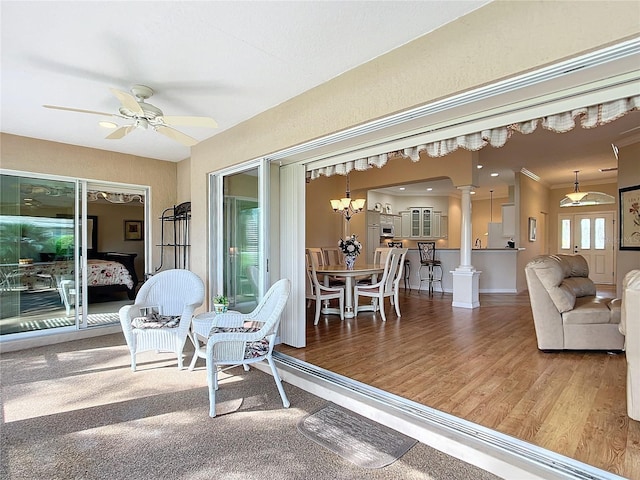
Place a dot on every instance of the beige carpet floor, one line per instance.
(76, 411)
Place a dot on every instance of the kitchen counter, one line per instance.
(499, 267)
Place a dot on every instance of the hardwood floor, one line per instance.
(483, 365)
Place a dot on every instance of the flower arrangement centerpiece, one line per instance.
(350, 247)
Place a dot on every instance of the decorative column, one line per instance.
(465, 276)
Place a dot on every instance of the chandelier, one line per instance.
(346, 206)
(576, 195)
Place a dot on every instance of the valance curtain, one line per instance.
(588, 117)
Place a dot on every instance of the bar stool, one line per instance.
(427, 259)
(407, 274)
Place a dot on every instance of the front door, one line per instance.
(592, 236)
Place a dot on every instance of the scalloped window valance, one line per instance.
(587, 117)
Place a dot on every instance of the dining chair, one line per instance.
(161, 315)
(318, 292)
(427, 252)
(317, 253)
(247, 338)
(407, 265)
(379, 258)
(380, 255)
(388, 285)
(333, 256)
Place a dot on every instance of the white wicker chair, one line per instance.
(243, 339)
(174, 293)
(388, 285)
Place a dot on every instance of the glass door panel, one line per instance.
(37, 253)
(241, 239)
(114, 258)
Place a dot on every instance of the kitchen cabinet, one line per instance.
(421, 222)
(435, 225)
(397, 225)
(405, 220)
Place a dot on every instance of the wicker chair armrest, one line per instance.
(229, 320)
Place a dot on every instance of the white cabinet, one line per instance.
(435, 225)
(405, 220)
(397, 226)
(444, 226)
(421, 222)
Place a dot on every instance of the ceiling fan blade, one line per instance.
(191, 121)
(68, 109)
(176, 135)
(120, 132)
(128, 101)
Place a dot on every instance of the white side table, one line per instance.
(200, 327)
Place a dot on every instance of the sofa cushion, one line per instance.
(580, 286)
(615, 307)
(562, 297)
(590, 310)
(575, 265)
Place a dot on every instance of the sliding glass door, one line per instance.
(72, 252)
(238, 264)
(38, 237)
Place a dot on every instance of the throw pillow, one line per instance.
(155, 320)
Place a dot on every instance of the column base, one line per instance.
(466, 288)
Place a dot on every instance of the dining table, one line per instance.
(341, 271)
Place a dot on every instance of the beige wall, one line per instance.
(183, 176)
(464, 54)
(628, 176)
(481, 215)
(40, 156)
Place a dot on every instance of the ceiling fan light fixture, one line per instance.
(109, 125)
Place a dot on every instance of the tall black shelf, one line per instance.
(175, 234)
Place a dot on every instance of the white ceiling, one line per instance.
(231, 61)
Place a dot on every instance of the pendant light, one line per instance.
(576, 195)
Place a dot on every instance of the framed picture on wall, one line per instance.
(630, 218)
(134, 230)
(533, 227)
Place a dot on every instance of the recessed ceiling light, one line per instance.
(110, 125)
(402, 188)
(494, 174)
(478, 166)
(472, 193)
(429, 189)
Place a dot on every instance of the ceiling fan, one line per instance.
(144, 115)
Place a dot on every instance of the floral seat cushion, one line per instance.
(155, 320)
(255, 349)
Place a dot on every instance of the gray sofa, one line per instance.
(566, 311)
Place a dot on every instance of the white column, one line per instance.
(465, 230)
(465, 276)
